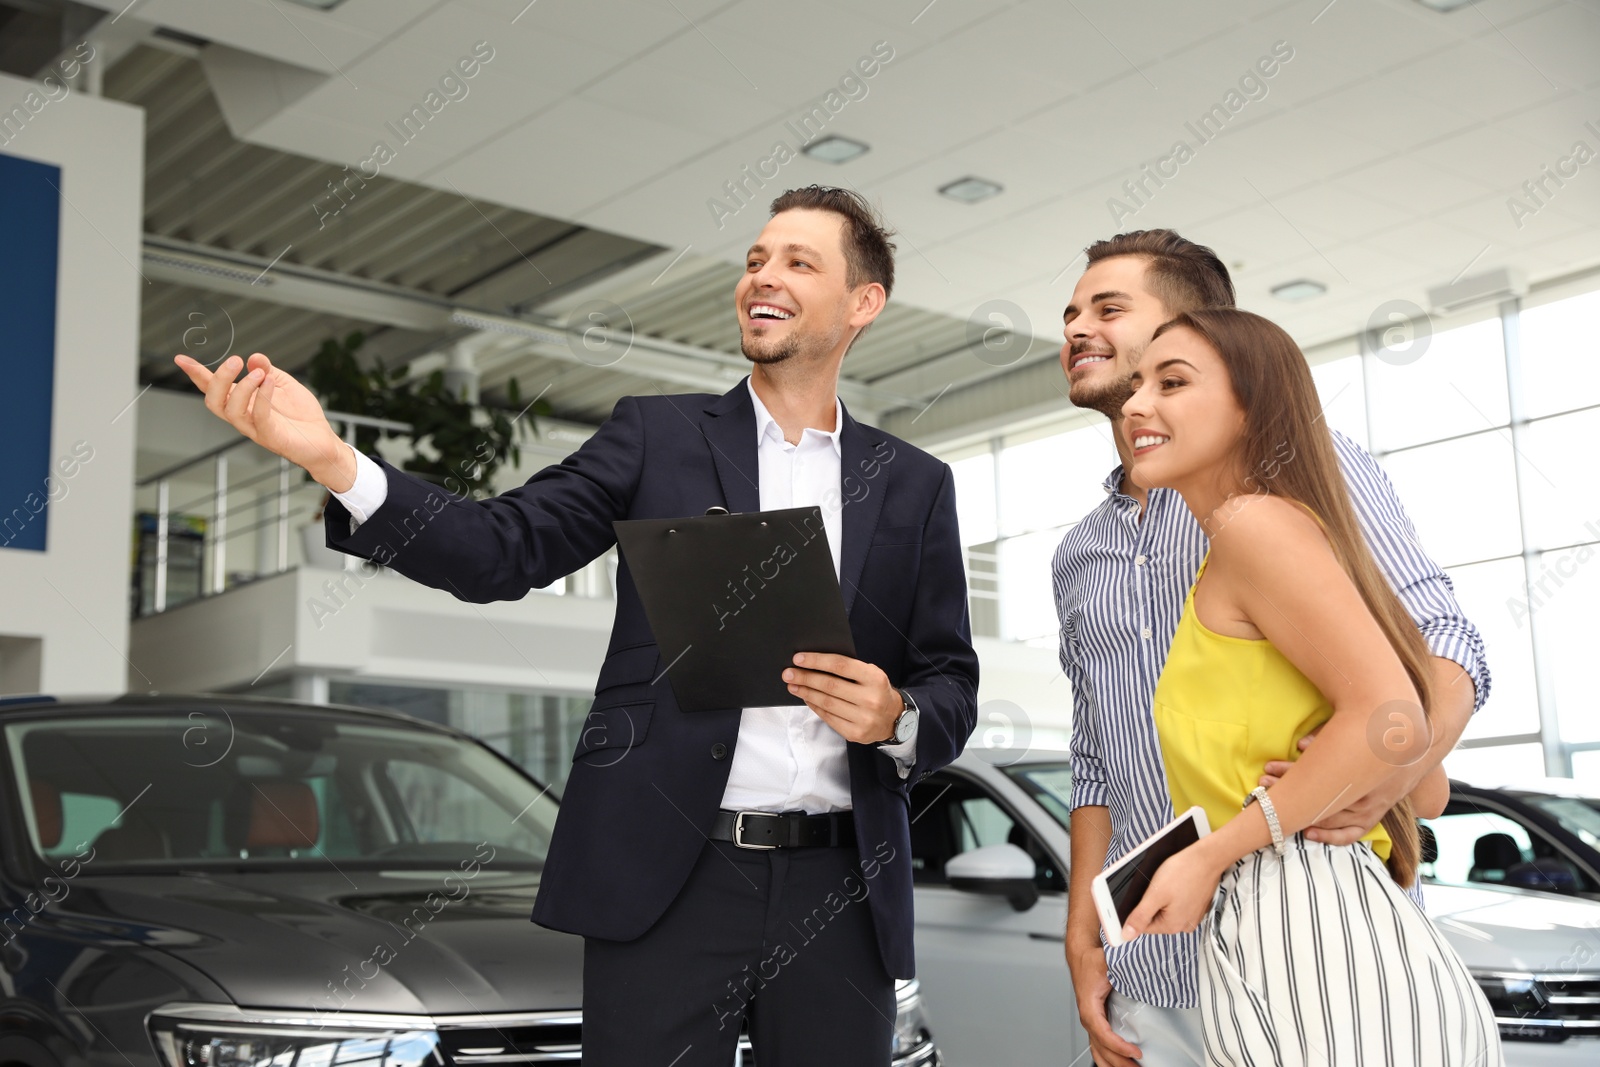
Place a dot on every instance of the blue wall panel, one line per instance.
(30, 235)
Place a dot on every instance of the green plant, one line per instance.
(455, 443)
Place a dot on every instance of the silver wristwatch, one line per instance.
(906, 724)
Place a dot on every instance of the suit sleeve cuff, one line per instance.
(904, 754)
(367, 495)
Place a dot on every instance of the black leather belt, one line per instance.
(759, 829)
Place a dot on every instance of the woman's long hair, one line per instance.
(1286, 450)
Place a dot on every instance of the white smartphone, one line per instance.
(1118, 889)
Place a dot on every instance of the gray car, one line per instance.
(990, 849)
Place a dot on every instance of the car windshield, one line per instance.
(1048, 783)
(1579, 816)
(230, 787)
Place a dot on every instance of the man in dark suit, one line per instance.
(750, 861)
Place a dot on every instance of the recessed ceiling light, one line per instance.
(1444, 5)
(320, 5)
(834, 149)
(971, 190)
(1299, 289)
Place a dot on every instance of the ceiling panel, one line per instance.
(1389, 144)
(1515, 83)
(1493, 154)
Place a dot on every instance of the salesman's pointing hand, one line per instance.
(853, 697)
(276, 412)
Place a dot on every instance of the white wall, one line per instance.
(73, 597)
(374, 624)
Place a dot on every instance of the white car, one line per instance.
(989, 850)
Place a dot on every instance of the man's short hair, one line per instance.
(1184, 275)
(868, 252)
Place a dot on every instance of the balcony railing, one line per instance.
(196, 533)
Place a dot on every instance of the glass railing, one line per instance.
(234, 514)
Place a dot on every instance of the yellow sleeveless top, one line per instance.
(1223, 707)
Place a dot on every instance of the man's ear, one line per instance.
(869, 301)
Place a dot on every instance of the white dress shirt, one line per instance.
(786, 758)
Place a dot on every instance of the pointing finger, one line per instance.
(196, 371)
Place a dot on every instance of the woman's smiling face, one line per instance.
(1183, 418)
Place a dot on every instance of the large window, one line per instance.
(1561, 349)
(1491, 450)
(1561, 487)
(1488, 436)
(1462, 496)
(1015, 501)
(1488, 593)
(1343, 393)
(1462, 375)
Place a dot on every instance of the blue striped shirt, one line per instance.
(1120, 583)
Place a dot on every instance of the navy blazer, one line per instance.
(647, 778)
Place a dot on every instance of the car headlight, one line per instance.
(225, 1036)
(911, 1032)
(1522, 1007)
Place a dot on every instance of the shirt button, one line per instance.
(1138, 561)
(1145, 633)
(719, 751)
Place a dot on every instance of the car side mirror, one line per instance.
(996, 870)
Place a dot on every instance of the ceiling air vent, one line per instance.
(1495, 285)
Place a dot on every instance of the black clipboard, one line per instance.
(732, 597)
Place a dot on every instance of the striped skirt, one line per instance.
(1320, 959)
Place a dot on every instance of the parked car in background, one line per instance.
(1536, 835)
(223, 882)
(989, 842)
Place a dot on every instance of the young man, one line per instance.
(749, 861)
(1120, 577)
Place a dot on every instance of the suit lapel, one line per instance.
(729, 427)
(862, 498)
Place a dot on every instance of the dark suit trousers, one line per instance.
(784, 936)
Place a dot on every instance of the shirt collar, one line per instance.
(766, 424)
(1113, 482)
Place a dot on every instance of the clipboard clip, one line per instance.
(717, 509)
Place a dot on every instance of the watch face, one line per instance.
(904, 725)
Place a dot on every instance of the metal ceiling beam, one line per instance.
(968, 365)
(257, 278)
(242, 274)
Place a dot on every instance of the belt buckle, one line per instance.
(738, 831)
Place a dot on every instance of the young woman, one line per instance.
(1311, 953)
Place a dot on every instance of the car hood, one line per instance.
(404, 942)
(1495, 929)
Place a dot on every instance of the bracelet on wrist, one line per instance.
(1270, 811)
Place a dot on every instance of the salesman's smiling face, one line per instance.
(794, 298)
